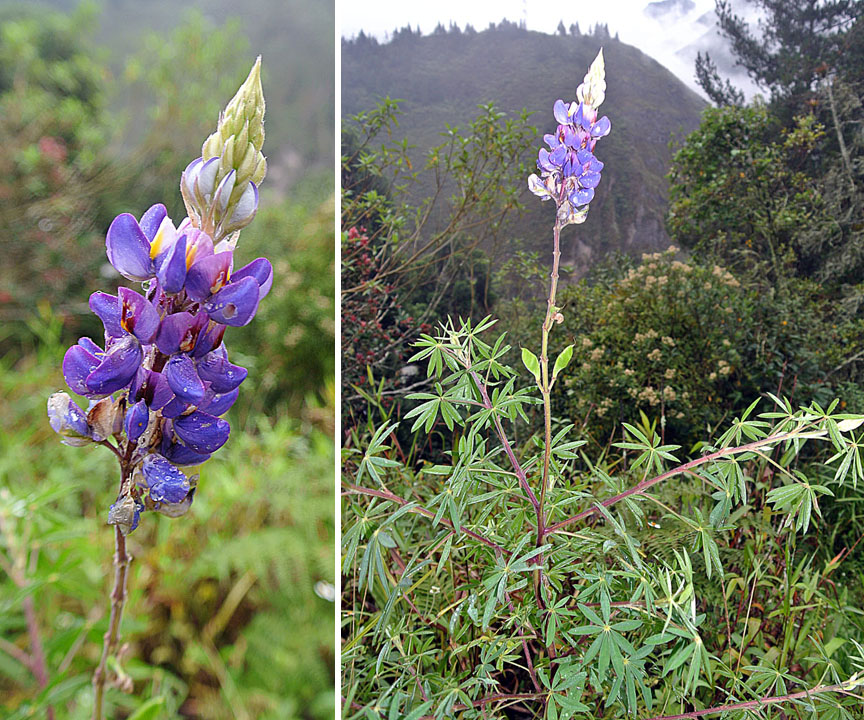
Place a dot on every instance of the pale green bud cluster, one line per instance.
(220, 188)
(592, 91)
(239, 136)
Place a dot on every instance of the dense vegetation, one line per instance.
(688, 557)
(230, 610)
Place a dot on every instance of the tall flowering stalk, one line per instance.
(569, 172)
(613, 627)
(160, 382)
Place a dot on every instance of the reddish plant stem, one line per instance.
(37, 652)
(773, 700)
(645, 484)
(508, 449)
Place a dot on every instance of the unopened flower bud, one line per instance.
(68, 420)
(240, 131)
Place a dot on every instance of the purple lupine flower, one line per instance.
(161, 380)
(569, 171)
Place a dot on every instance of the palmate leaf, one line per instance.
(798, 500)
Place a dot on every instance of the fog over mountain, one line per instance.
(669, 31)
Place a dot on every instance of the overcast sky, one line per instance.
(660, 40)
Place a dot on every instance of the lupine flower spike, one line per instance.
(160, 379)
(569, 172)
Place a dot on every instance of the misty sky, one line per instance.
(658, 39)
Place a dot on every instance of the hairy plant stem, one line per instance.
(546, 391)
(118, 599)
(545, 385)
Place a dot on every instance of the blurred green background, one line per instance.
(230, 611)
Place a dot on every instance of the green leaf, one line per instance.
(150, 710)
(530, 361)
(562, 361)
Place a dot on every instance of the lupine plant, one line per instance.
(520, 575)
(161, 381)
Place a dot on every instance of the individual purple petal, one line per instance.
(584, 156)
(209, 339)
(174, 332)
(218, 403)
(157, 392)
(90, 346)
(261, 270)
(137, 418)
(551, 140)
(175, 407)
(171, 271)
(107, 307)
(235, 304)
(208, 275)
(601, 128)
(589, 180)
(202, 432)
(78, 363)
(166, 482)
(128, 248)
(179, 454)
(117, 368)
(582, 196)
(68, 420)
(559, 110)
(137, 315)
(221, 374)
(558, 155)
(151, 220)
(182, 377)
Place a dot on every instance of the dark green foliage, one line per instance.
(52, 130)
(797, 44)
(741, 190)
(690, 345)
(690, 587)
